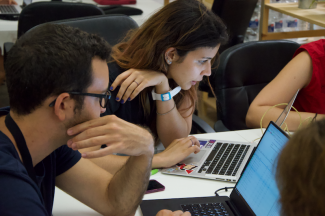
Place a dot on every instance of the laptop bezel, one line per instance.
(235, 198)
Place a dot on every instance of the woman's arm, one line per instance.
(295, 75)
(171, 123)
(176, 123)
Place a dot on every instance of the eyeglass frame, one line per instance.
(106, 96)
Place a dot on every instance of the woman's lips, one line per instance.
(193, 82)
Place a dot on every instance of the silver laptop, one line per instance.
(13, 9)
(255, 194)
(220, 159)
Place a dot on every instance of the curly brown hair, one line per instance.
(301, 172)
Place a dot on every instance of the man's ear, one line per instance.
(63, 106)
(171, 54)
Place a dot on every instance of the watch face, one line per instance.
(166, 97)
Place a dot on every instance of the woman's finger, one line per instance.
(190, 141)
(127, 83)
(130, 89)
(137, 90)
(194, 149)
(120, 78)
(196, 141)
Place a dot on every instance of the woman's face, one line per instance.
(194, 66)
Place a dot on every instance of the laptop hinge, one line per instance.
(249, 159)
(233, 208)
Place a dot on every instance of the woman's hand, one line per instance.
(133, 81)
(177, 151)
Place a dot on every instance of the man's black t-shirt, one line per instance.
(19, 194)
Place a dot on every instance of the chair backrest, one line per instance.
(236, 14)
(112, 28)
(42, 12)
(244, 70)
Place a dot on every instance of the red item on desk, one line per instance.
(115, 2)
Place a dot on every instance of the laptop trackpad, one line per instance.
(194, 158)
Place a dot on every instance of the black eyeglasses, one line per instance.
(103, 97)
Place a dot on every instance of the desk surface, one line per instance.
(314, 16)
(176, 186)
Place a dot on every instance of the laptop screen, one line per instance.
(257, 184)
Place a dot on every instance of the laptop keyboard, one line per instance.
(8, 9)
(206, 209)
(224, 159)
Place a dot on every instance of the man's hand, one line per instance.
(119, 136)
(170, 213)
(177, 151)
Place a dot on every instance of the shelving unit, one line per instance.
(313, 16)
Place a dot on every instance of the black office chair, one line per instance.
(244, 70)
(236, 15)
(113, 28)
(42, 12)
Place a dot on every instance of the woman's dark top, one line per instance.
(130, 111)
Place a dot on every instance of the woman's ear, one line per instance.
(63, 106)
(170, 55)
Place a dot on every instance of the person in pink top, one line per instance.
(306, 71)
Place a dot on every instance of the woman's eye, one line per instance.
(202, 61)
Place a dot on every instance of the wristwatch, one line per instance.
(167, 96)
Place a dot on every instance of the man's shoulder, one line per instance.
(4, 111)
(19, 194)
(9, 159)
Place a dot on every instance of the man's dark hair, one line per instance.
(49, 60)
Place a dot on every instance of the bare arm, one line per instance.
(175, 124)
(118, 195)
(87, 182)
(295, 75)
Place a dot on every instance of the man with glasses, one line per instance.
(57, 78)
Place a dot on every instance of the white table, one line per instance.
(8, 29)
(176, 186)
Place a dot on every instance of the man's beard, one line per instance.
(81, 116)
